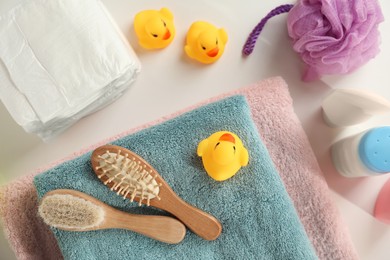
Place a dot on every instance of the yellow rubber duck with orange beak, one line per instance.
(205, 42)
(154, 28)
(223, 154)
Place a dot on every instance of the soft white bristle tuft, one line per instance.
(66, 211)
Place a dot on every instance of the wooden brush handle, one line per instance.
(165, 229)
(198, 221)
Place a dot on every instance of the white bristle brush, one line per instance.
(73, 210)
(130, 176)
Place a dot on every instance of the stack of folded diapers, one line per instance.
(72, 62)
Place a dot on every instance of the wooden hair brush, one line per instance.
(73, 210)
(132, 177)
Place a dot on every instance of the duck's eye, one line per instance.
(165, 25)
(234, 149)
(204, 48)
(216, 145)
(216, 42)
(154, 35)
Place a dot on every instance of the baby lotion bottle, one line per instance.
(363, 154)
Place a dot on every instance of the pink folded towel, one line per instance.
(281, 132)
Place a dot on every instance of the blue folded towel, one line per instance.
(258, 218)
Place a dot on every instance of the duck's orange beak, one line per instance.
(227, 137)
(167, 35)
(214, 52)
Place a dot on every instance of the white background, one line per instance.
(169, 81)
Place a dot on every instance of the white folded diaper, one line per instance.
(59, 61)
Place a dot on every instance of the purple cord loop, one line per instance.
(251, 41)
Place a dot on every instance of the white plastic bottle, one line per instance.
(346, 107)
(363, 154)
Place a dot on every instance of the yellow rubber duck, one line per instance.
(154, 28)
(205, 42)
(223, 154)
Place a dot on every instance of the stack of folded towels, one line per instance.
(271, 109)
(60, 61)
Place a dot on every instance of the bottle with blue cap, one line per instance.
(363, 154)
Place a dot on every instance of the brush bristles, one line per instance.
(65, 211)
(128, 177)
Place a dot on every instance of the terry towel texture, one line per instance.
(257, 216)
(272, 112)
(59, 61)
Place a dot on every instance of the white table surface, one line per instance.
(169, 81)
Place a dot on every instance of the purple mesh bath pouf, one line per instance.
(331, 36)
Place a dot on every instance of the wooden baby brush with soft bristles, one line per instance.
(130, 176)
(73, 210)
